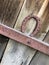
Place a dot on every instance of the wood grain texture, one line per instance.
(19, 54)
(40, 58)
(9, 11)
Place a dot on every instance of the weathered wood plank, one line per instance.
(19, 54)
(9, 11)
(40, 58)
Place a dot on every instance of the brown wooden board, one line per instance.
(9, 11)
(19, 54)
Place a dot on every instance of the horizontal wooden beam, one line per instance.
(24, 39)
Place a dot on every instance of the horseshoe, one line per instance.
(37, 27)
(37, 18)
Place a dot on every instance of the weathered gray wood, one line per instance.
(40, 58)
(19, 54)
(9, 11)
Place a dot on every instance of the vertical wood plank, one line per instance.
(40, 58)
(9, 11)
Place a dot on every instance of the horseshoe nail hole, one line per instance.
(30, 26)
